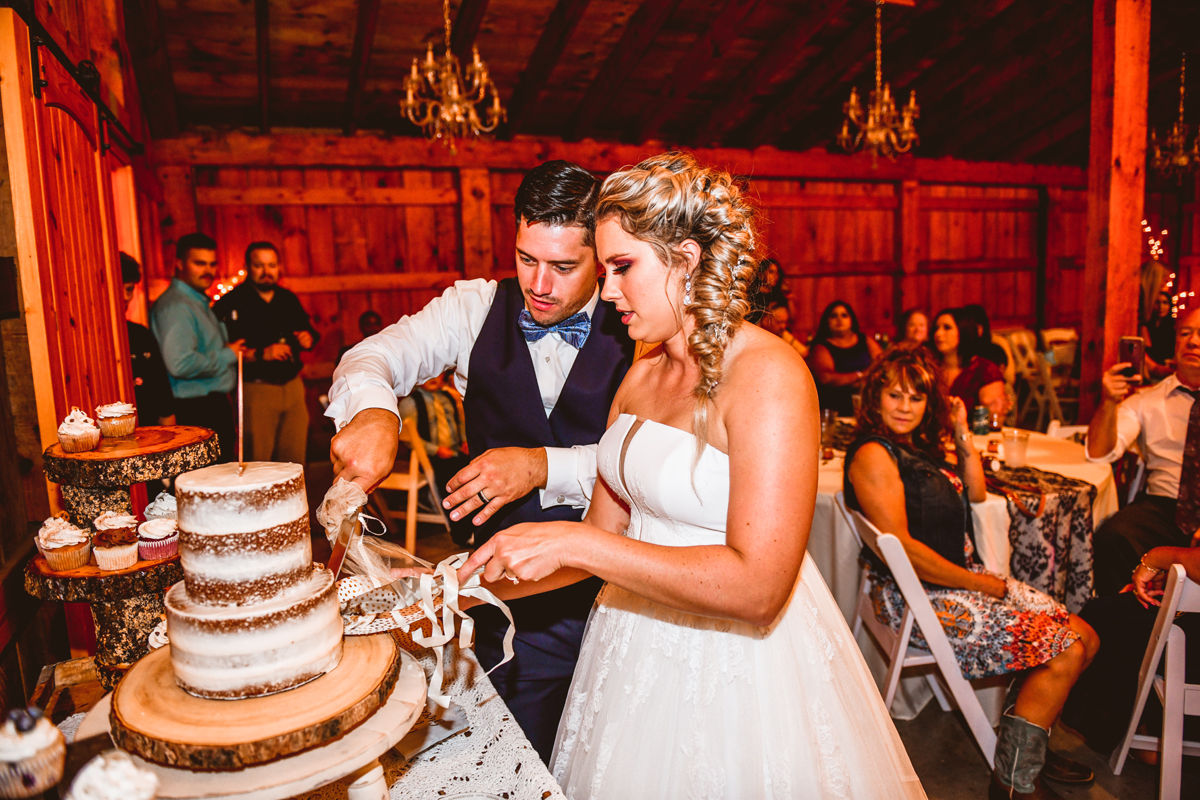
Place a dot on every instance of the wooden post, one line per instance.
(1116, 185)
(475, 188)
(908, 246)
(1042, 280)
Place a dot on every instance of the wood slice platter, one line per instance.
(90, 583)
(155, 719)
(150, 453)
(297, 774)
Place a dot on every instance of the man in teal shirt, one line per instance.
(201, 361)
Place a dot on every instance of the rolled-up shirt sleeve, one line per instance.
(570, 476)
(1129, 428)
(378, 370)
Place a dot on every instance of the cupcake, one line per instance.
(158, 538)
(32, 752)
(116, 419)
(78, 433)
(111, 520)
(57, 522)
(112, 775)
(163, 507)
(63, 545)
(116, 548)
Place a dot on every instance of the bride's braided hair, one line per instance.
(668, 199)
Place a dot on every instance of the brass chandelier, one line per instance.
(1172, 158)
(882, 130)
(442, 99)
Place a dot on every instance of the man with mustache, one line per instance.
(201, 361)
(544, 357)
(275, 328)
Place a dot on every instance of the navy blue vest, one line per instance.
(503, 404)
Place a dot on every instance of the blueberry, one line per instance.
(24, 721)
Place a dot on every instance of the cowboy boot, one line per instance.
(1020, 756)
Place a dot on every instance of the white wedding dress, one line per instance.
(666, 704)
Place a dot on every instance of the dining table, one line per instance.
(835, 551)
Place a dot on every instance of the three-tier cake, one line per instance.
(253, 615)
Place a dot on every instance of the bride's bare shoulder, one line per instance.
(756, 355)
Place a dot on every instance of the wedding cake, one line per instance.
(253, 614)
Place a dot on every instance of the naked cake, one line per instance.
(253, 614)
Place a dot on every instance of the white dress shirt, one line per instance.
(1157, 419)
(378, 370)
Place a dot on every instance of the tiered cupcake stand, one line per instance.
(126, 604)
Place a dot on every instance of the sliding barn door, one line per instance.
(81, 277)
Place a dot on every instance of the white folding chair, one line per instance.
(896, 643)
(1060, 431)
(1178, 698)
(1035, 372)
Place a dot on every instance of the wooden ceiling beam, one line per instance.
(360, 57)
(832, 69)
(1033, 97)
(549, 48)
(780, 54)
(689, 72)
(640, 30)
(262, 24)
(1074, 120)
(466, 28)
(282, 150)
(152, 66)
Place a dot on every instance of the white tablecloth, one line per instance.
(832, 546)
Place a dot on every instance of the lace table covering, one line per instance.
(492, 756)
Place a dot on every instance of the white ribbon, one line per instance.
(441, 635)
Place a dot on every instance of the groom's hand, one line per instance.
(364, 451)
(501, 475)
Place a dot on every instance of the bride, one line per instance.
(715, 662)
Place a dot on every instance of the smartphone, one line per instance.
(1132, 350)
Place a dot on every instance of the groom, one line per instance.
(544, 357)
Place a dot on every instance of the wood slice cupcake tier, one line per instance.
(92, 584)
(85, 504)
(150, 453)
(155, 719)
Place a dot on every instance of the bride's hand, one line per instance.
(526, 552)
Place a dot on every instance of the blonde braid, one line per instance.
(668, 199)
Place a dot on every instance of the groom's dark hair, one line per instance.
(559, 193)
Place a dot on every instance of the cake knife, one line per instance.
(351, 527)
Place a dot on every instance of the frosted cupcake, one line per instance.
(57, 522)
(32, 752)
(158, 538)
(115, 549)
(64, 546)
(78, 432)
(116, 419)
(163, 507)
(111, 521)
(112, 775)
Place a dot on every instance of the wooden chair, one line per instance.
(1035, 374)
(1178, 698)
(419, 476)
(896, 643)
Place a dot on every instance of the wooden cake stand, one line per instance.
(126, 604)
(273, 747)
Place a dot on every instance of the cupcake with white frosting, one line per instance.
(57, 522)
(112, 775)
(32, 752)
(163, 507)
(116, 419)
(78, 432)
(158, 538)
(64, 546)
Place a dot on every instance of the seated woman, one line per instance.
(898, 477)
(912, 327)
(1101, 703)
(839, 356)
(971, 378)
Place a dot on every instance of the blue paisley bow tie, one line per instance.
(573, 330)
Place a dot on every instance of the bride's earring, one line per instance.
(687, 288)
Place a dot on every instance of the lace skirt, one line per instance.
(670, 705)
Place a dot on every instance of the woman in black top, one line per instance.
(898, 477)
(839, 356)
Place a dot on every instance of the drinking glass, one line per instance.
(1016, 447)
(828, 426)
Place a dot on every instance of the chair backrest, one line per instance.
(1010, 369)
(1060, 431)
(1188, 590)
(864, 532)
(1023, 344)
(1056, 336)
(411, 437)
